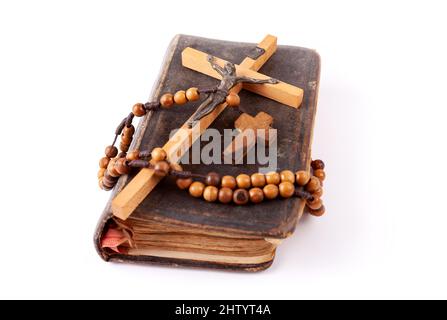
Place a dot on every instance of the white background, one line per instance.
(69, 70)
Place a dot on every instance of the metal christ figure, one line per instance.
(229, 80)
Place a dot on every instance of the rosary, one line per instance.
(240, 190)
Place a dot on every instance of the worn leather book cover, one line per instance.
(167, 205)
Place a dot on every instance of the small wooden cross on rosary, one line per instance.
(234, 78)
(243, 142)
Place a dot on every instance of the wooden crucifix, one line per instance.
(144, 182)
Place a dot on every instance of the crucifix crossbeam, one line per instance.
(282, 92)
(145, 181)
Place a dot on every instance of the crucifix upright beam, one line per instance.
(144, 182)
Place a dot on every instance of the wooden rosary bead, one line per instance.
(270, 191)
(228, 182)
(196, 189)
(210, 193)
(183, 184)
(102, 186)
(129, 131)
(167, 100)
(233, 100)
(138, 110)
(225, 195)
(133, 155)
(121, 154)
(318, 193)
(317, 164)
(313, 184)
(101, 172)
(272, 178)
(124, 146)
(243, 181)
(161, 169)
(256, 195)
(111, 170)
(104, 162)
(175, 167)
(287, 176)
(100, 183)
(302, 177)
(212, 179)
(320, 174)
(109, 180)
(180, 97)
(158, 154)
(258, 180)
(121, 166)
(111, 151)
(314, 203)
(318, 212)
(241, 197)
(286, 189)
(126, 139)
(192, 94)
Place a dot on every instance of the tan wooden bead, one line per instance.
(241, 197)
(320, 174)
(183, 184)
(161, 169)
(167, 100)
(256, 195)
(233, 100)
(302, 177)
(124, 146)
(318, 193)
(286, 189)
(175, 167)
(158, 154)
(180, 97)
(104, 162)
(100, 183)
(138, 110)
(313, 184)
(196, 189)
(210, 193)
(111, 170)
(272, 178)
(129, 131)
(111, 152)
(121, 155)
(103, 186)
(108, 180)
(126, 139)
(243, 181)
(121, 166)
(318, 212)
(257, 180)
(287, 176)
(315, 203)
(225, 195)
(133, 155)
(270, 191)
(101, 173)
(192, 94)
(228, 182)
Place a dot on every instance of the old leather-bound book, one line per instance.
(172, 228)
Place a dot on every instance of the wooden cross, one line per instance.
(243, 141)
(145, 181)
